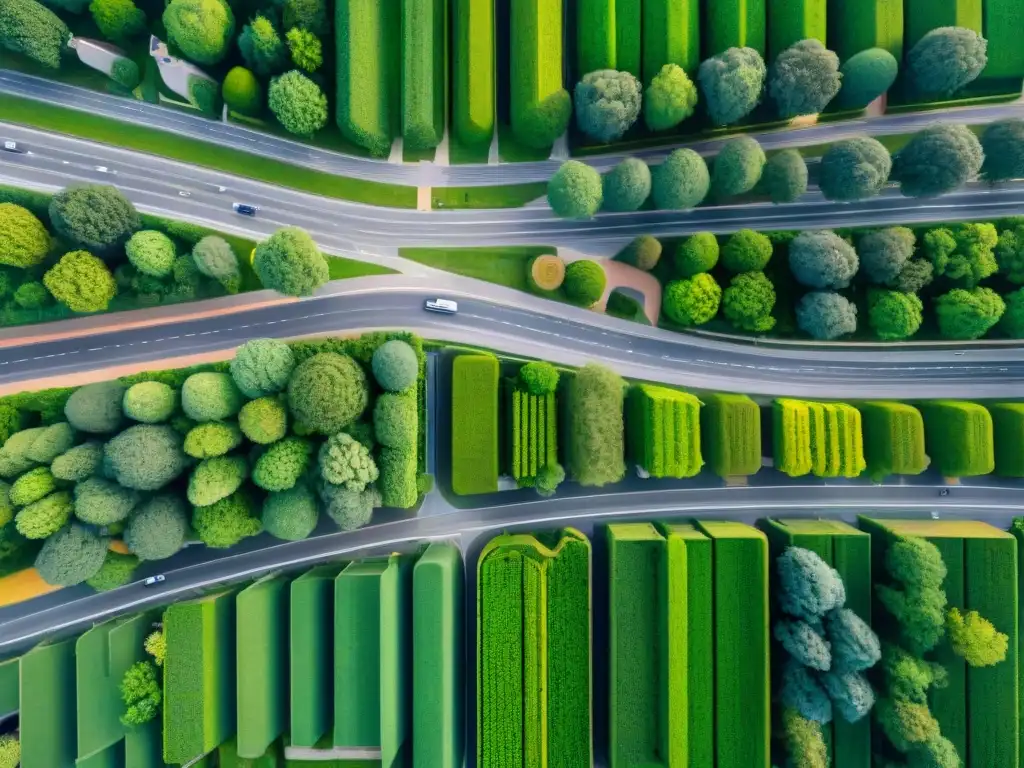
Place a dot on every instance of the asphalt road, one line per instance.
(156, 184)
(429, 174)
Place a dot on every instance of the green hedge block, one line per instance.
(922, 16)
(47, 716)
(791, 435)
(311, 630)
(628, 26)
(735, 24)
(959, 438)
(535, 57)
(10, 679)
(795, 20)
(893, 439)
(473, 71)
(474, 424)
(1005, 53)
(424, 72)
(533, 432)
(143, 747)
(663, 427)
(395, 659)
(671, 31)
(856, 25)
(731, 434)
(1008, 438)
(595, 36)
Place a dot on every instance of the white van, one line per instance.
(447, 306)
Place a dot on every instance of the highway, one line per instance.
(157, 184)
(430, 174)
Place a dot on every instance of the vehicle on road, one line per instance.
(104, 169)
(183, 193)
(13, 146)
(221, 188)
(245, 210)
(944, 492)
(447, 306)
(158, 579)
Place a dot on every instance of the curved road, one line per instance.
(429, 174)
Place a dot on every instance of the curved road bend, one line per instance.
(428, 174)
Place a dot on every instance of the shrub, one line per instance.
(116, 571)
(968, 314)
(262, 367)
(693, 301)
(297, 103)
(305, 48)
(71, 556)
(327, 392)
(826, 316)
(627, 186)
(264, 420)
(854, 169)
(915, 562)
(202, 29)
(158, 528)
(784, 179)
(804, 79)
(1009, 254)
(395, 366)
(31, 487)
(214, 257)
(42, 519)
(543, 121)
(210, 396)
(1012, 322)
(156, 646)
(607, 104)
(945, 60)
(644, 252)
(215, 438)
(884, 252)
(584, 283)
(26, 27)
(963, 254)
(283, 463)
(549, 477)
(290, 515)
(150, 402)
(51, 442)
(96, 407)
(748, 302)
(866, 76)
(894, 315)
(537, 378)
(141, 693)
(803, 644)
(349, 509)
(804, 741)
(310, 15)
(670, 98)
(802, 692)
(204, 95)
(595, 426)
(10, 751)
(681, 182)
(732, 83)
(81, 282)
(32, 295)
(242, 92)
(345, 461)
(226, 522)
(24, 241)
(746, 251)
(145, 457)
(96, 217)
(822, 259)
(809, 588)
(697, 254)
(14, 455)
(396, 421)
(851, 694)
(575, 191)
(290, 262)
(1003, 145)
(915, 275)
(79, 462)
(101, 502)
(215, 479)
(975, 638)
(738, 167)
(855, 646)
(399, 486)
(937, 160)
(905, 723)
(151, 252)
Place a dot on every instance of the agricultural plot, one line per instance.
(143, 746)
(795, 20)
(473, 71)
(533, 431)
(856, 25)
(47, 716)
(730, 428)
(628, 21)
(199, 676)
(438, 632)
(395, 659)
(959, 437)
(1008, 437)
(595, 36)
(893, 439)
(535, 59)
(922, 16)
(825, 439)
(474, 424)
(735, 24)
(1001, 29)
(10, 677)
(262, 657)
(311, 648)
(671, 30)
(424, 71)
(533, 652)
(663, 428)
(742, 679)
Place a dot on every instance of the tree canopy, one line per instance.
(626, 186)
(96, 217)
(804, 79)
(894, 316)
(1003, 145)
(202, 29)
(151, 252)
(822, 259)
(784, 178)
(937, 160)
(81, 282)
(28, 28)
(697, 253)
(854, 169)
(291, 263)
(681, 181)
(963, 253)
(24, 241)
(748, 302)
(298, 103)
(737, 167)
(746, 251)
(607, 104)
(945, 60)
(242, 91)
(575, 191)
(584, 283)
(732, 83)
(866, 76)
(968, 314)
(693, 301)
(670, 98)
(884, 252)
(825, 315)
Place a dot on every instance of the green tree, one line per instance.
(349, 509)
(804, 79)
(1009, 253)
(732, 83)
(298, 103)
(14, 457)
(125, 73)
(117, 570)
(537, 378)
(946, 60)
(141, 693)
(10, 751)
(263, 421)
(737, 168)
(805, 743)
(262, 367)
(1003, 145)
(290, 262)
(32, 294)
(210, 396)
(214, 258)
(71, 555)
(826, 316)
(802, 692)
(226, 522)
(395, 366)
(24, 241)
(305, 48)
(915, 275)
(96, 407)
(866, 76)
(215, 479)
(607, 104)
(242, 92)
(204, 95)
(396, 421)
(150, 402)
(822, 259)
(26, 27)
(79, 462)
(575, 191)
(158, 528)
(746, 251)
(283, 463)
(937, 160)
(32, 486)
(118, 20)
(884, 252)
(968, 314)
(96, 217)
(693, 301)
(784, 179)
(975, 639)
(290, 515)
(145, 457)
(156, 646)
(906, 724)
(697, 254)
(51, 442)
(151, 252)
(345, 461)
(681, 181)
(851, 694)
(894, 316)
(1012, 322)
(540, 124)
(327, 392)
(670, 98)
(964, 254)
(748, 302)
(262, 48)
(643, 252)
(855, 647)
(626, 186)
(202, 29)
(214, 438)
(102, 502)
(585, 281)
(854, 169)
(307, 14)
(81, 282)
(809, 588)
(45, 517)
(803, 644)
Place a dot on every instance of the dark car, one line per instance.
(246, 210)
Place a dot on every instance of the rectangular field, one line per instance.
(959, 437)
(1005, 53)
(395, 658)
(856, 25)
(735, 24)
(1008, 437)
(473, 71)
(533, 432)
(922, 16)
(663, 426)
(628, 21)
(312, 653)
(790, 21)
(47, 715)
(731, 434)
(893, 439)
(142, 746)
(262, 658)
(671, 31)
(535, 56)
(791, 436)
(474, 424)
(10, 676)
(424, 72)
(595, 36)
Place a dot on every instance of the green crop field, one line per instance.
(628, 21)
(742, 684)
(663, 427)
(438, 652)
(735, 24)
(395, 658)
(1018, 534)
(535, 57)
(262, 654)
(825, 439)
(311, 649)
(199, 676)
(474, 424)
(10, 678)
(959, 438)
(1002, 30)
(143, 746)
(922, 16)
(473, 79)
(595, 36)
(1008, 438)
(856, 25)
(792, 21)
(791, 434)
(367, 38)
(533, 432)
(357, 649)
(47, 722)
(731, 434)
(671, 30)
(893, 439)
(424, 71)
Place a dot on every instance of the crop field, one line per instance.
(922, 16)
(535, 56)
(731, 434)
(533, 430)
(856, 25)
(10, 679)
(367, 38)
(825, 439)
(595, 35)
(262, 654)
(893, 439)
(794, 20)
(1002, 30)
(395, 657)
(199, 676)
(473, 85)
(671, 32)
(664, 431)
(424, 71)
(47, 717)
(958, 436)
(143, 747)
(628, 21)
(474, 424)
(438, 632)
(311, 650)
(1008, 436)
(791, 434)
(735, 24)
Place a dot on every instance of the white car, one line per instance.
(104, 169)
(183, 193)
(158, 579)
(12, 146)
(447, 306)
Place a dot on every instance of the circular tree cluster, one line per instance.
(290, 262)
(96, 217)
(945, 60)
(210, 396)
(698, 253)
(670, 98)
(746, 251)
(732, 83)
(681, 181)
(327, 392)
(693, 301)
(607, 104)
(584, 283)
(826, 316)
(784, 178)
(575, 191)
(854, 169)
(938, 160)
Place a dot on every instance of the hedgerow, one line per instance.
(474, 424)
(664, 431)
(595, 428)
